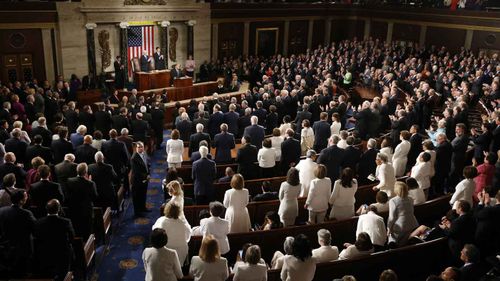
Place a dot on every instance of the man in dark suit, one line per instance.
(159, 59)
(17, 146)
(203, 174)
(119, 73)
(16, 229)
(126, 139)
(266, 194)
(367, 165)
(116, 154)
(87, 118)
(38, 150)
(247, 158)
(121, 120)
(10, 166)
(85, 152)
(196, 154)
(416, 146)
(290, 148)
(194, 139)
(363, 120)
(488, 230)
(261, 113)
(459, 145)
(44, 190)
(158, 116)
(332, 157)
(184, 126)
(53, 238)
(104, 176)
(223, 143)
(71, 117)
(398, 124)
(214, 121)
(139, 179)
(103, 121)
(444, 151)
(4, 134)
(42, 131)
(65, 170)
(144, 61)
(461, 231)
(322, 132)
(255, 132)
(81, 197)
(472, 269)
(244, 121)
(176, 72)
(351, 155)
(140, 128)
(302, 115)
(231, 119)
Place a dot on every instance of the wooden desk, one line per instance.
(183, 82)
(152, 80)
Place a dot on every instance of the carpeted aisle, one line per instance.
(122, 260)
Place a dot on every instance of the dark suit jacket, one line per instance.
(7, 168)
(443, 158)
(53, 238)
(256, 134)
(174, 73)
(367, 164)
(46, 135)
(38, 150)
(488, 230)
(60, 148)
(246, 159)
(158, 116)
(196, 156)
(204, 174)
(266, 196)
(139, 171)
(120, 122)
(103, 122)
(103, 175)
(223, 144)
(352, 156)
(321, 134)
(194, 141)
(127, 140)
(64, 171)
(18, 147)
(415, 149)
(82, 194)
(243, 123)
(459, 145)
(301, 116)
(214, 122)
(88, 120)
(290, 148)
(363, 121)
(115, 153)
(71, 118)
(159, 62)
(461, 232)
(43, 191)
(396, 127)
(85, 153)
(17, 226)
(140, 130)
(271, 122)
(332, 157)
(231, 119)
(472, 272)
(144, 63)
(185, 128)
(261, 115)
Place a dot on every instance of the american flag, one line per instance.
(139, 38)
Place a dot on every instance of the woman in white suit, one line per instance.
(179, 233)
(175, 149)
(317, 198)
(400, 157)
(342, 197)
(236, 201)
(306, 137)
(386, 148)
(465, 189)
(288, 194)
(428, 147)
(401, 221)
(385, 174)
(422, 172)
(252, 269)
(300, 265)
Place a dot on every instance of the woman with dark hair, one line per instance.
(271, 221)
(362, 246)
(288, 194)
(299, 266)
(342, 197)
(160, 262)
(422, 172)
(485, 173)
(267, 159)
(317, 198)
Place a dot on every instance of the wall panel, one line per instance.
(270, 24)
(378, 30)
(347, 29)
(485, 40)
(319, 35)
(230, 39)
(406, 32)
(297, 36)
(452, 38)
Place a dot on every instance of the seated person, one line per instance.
(228, 176)
(278, 257)
(381, 205)
(241, 257)
(271, 221)
(216, 226)
(326, 252)
(266, 194)
(362, 246)
(202, 215)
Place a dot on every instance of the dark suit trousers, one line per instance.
(139, 191)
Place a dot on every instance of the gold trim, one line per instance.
(37, 25)
(267, 29)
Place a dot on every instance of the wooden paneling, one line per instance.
(23, 42)
(485, 40)
(318, 33)
(347, 29)
(230, 39)
(406, 32)
(270, 24)
(297, 36)
(378, 30)
(452, 38)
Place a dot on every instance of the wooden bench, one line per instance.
(84, 256)
(68, 277)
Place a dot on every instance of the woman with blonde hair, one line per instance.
(175, 149)
(401, 221)
(176, 193)
(24, 135)
(209, 265)
(236, 201)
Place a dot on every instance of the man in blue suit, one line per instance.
(216, 119)
(223, 143)
(332, 157)
(203, 174)
(322, 132)
(231, 119)
(255, 132)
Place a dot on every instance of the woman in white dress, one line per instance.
(386, 148)
(336, 125)
(342, 197)
(175, 149)
(177, 196)
(465, 189)
(267, 159)
(178, 232)
(385, 174)
(428, 147)
(306, 137)
(236, 201)
(400, 157)
(288, 194)
(422, 172)
(276, 141)
(317, 198)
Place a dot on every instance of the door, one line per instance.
(17, 67)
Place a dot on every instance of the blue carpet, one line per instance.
(122, 259)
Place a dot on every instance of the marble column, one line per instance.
(328, 31)
(164, 40)
(124, 46)
(190, 37)
(91, 49)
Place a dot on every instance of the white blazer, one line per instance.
(319, 192)
(250, 272)
(175, 149)
(266, 157)
(161, 264)
(387, 151)
(463, 191)
(385, 175)
(417, 195)
(422, 173)
(325, 254)
(400, 158)
(374, 225)
(178, 234)
(296, 270)
(433, 160)
(306, 169)
(219, 228)
(203, 271)
(335, 128)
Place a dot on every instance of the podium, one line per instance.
(183, 82)
(152, 80)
